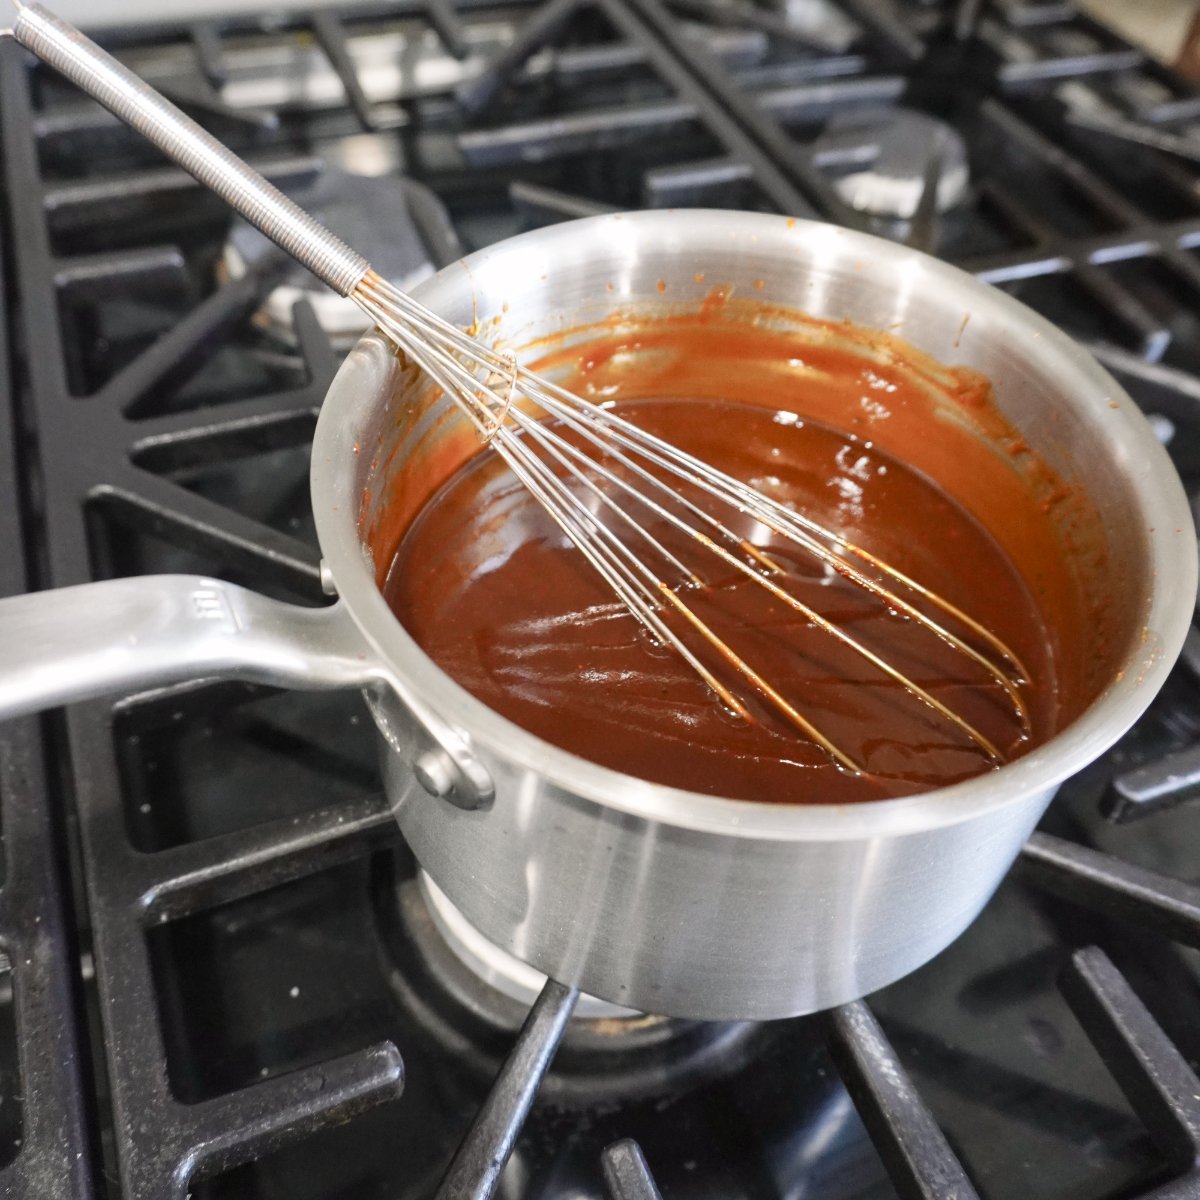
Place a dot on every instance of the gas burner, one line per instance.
(880, 157)
(393, 221)
(462, 988)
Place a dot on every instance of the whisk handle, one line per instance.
(68, 51)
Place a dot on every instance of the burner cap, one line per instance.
(370, 213)
(895, 144)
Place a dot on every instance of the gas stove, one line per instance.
(222, 972)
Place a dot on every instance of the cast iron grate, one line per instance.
(1158, 1081)
(148, 374)
(43, 1146)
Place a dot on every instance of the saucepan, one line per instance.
(653, 898)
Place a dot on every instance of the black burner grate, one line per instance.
(248, 903)
(43, 1148)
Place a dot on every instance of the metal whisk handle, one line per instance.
(179, 137)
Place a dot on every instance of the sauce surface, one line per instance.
(497, 596)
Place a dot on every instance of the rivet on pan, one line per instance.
(435, 772)
(327, 584)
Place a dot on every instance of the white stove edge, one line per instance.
(99, 14)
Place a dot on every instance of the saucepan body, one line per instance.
(653, 898)
(688, 904)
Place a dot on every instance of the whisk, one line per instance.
(577, 459)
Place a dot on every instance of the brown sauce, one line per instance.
(495, 594)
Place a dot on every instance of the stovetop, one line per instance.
(220, 977)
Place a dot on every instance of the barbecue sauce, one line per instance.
(497, 596)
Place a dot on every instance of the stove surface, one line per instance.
(221, 976)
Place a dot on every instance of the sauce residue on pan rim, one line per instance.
(1046, 526)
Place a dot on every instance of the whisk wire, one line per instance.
(797, 528)
(587, 419)
(547, 482)
(540, 457)
(606, 554)
(562, 451)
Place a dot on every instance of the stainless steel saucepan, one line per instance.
(653, 898)
(650, 897)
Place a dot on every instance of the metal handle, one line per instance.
(64, 48)
(77, 643)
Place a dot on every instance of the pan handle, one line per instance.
(76, 643)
